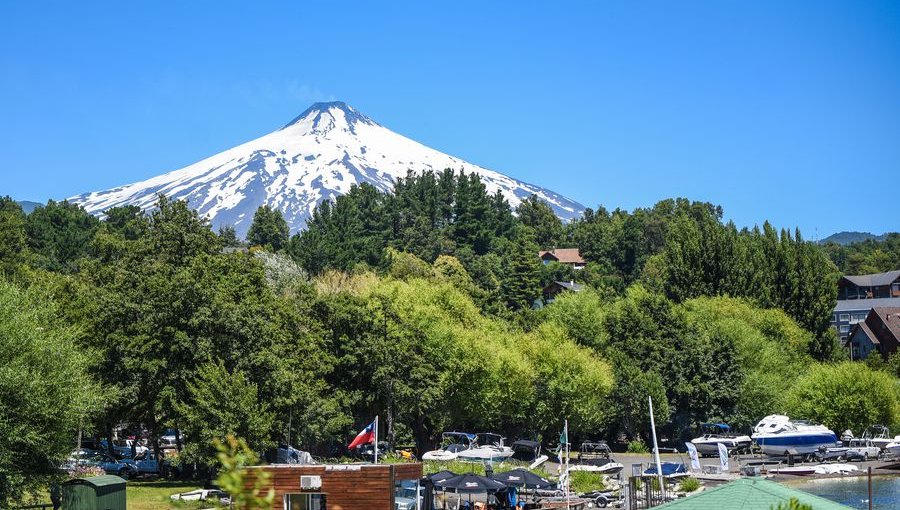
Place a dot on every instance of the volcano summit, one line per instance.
(317, 156)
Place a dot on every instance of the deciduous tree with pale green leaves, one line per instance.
(46, 393)
(844, 396)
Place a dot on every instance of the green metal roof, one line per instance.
(99, 481)
(749, 494)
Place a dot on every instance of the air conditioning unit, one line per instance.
(310, 482)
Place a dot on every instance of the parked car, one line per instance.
(168, 439)
(124, 449)
(109, 464)
(124, 468)
(147, 463)
(862, 449)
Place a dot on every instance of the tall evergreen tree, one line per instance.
(548, 228)
(268, 229)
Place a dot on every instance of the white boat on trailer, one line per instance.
(486, 446)
(713, 434)
(596, 457)
(779, 435)
(452, 444)
(880, 436)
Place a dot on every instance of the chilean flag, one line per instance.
(366, 436)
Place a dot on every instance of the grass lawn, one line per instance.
(155, 495)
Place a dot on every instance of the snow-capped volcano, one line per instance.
(316, 157)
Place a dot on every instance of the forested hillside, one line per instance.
(415, 305)
(866, 257)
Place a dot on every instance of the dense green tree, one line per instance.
(580, 314)
(129, 221)
(268, 229)
(520, 282)
(60, 233)
(13, 241)
(229, 239)
(170, 302)
(628, 400)
(548, 228)
(46, 393)
(699, 371)
(845, 396)
(222, 403)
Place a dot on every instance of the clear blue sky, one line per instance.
(782, 110)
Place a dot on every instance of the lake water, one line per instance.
(854, 492)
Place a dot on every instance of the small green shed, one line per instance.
(105, 492)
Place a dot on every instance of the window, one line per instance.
(304, 502)
(857, 317)
(845, 329)
(844, 317)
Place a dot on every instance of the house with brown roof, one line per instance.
(880, 333)
(870, 286)
(858, 294)
(568, 256)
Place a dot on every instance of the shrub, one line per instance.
(585, 481)
(637, 446)
(690, 484)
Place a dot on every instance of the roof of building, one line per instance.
(890, 316)
(862, 305)
(97, 481)
(862, 326)
(570, 285)
(564, 255)
(749, 494)
(873, 280)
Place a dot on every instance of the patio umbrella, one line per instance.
(522, 478)
(441, 475)
(470, 483)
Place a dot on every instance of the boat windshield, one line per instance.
(456, 439)
(488, 439)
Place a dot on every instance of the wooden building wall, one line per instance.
(346, 486)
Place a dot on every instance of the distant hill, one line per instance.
(846, 238)
(28, 206)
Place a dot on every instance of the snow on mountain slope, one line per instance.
(317, 156)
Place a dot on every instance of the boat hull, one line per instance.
(485, 454)
(440, 455)
(605, 469)
(711, 446)
(803, 443)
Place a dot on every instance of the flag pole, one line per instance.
(376, 439)
(655, 446)
(568, 482)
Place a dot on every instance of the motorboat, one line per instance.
(821, 469)
(880, 436)
(486, 446)
(452, 443)
(715, 433)
(795, 470)
(528, 452)
(833, 453)
(670, 470)
(779, 435)
(835, 469)
(596, 457)
(893, 448)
